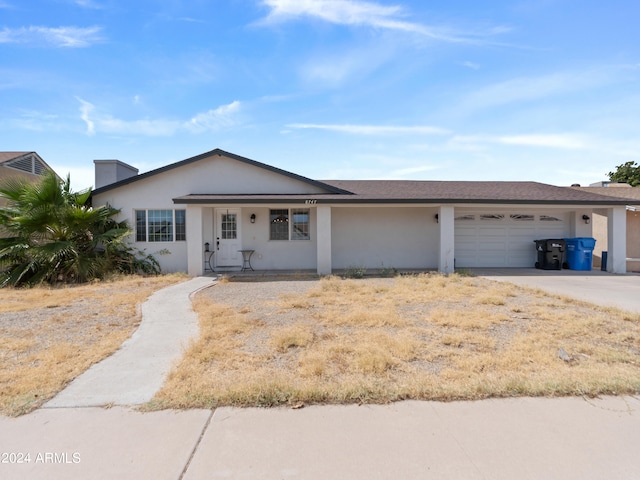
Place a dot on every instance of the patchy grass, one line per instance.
(51, 335)
(416, 337)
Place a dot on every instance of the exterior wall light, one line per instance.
(586, 219)
(206, 247)
(437, 217)
(253, 218)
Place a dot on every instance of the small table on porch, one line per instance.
(208, 255)
(246, 259)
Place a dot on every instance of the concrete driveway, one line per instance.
(601, 288)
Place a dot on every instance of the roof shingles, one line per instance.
(435, 192)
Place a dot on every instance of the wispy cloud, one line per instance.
(336, 68)
(471, 65)
(86, 109)
(215, 119)
(89, 4)
(65, 37)
(36, 121)
(223, 116)
(374, 129)
(562, 141)
(369, 14)
(553, 141)
(526, 89)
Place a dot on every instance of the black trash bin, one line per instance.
(550, 253)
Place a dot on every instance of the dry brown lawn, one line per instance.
(51, 335)
(413, 337)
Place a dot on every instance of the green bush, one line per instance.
(51, 234)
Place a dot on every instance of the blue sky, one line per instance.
(544, 90)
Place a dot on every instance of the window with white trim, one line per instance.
(161, 225)
(289, 224)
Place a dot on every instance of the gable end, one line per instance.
(222, 153)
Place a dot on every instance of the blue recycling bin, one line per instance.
(580, 252)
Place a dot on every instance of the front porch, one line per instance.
(338, 238)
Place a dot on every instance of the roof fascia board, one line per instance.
(314, 200)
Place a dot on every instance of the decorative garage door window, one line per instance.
(466, 217)
(549, 218)
(522, 217)
(492, 216)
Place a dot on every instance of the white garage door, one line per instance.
(504, 239)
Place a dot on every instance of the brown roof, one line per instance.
(435, 192)
(6, 156)
(632, 194)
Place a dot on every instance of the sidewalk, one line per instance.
(524, 438)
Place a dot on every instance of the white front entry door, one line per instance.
(228, 241)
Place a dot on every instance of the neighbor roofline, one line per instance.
(220, 153)
(22, 154)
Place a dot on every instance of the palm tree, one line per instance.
(52, 234)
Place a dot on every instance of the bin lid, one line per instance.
(583, 243)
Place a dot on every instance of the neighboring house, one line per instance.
(600, 233)
(291, 222)
(27, 165)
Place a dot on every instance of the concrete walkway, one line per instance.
(137, 370)
(522, 438)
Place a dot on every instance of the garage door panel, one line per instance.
(492, 231)
(496, 259)
(521, 260)
(492, 248)
(504, 243)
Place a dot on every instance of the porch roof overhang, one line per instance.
(359, 200)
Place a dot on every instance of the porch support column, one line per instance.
(447, 237)
(323, 234)
(617, 239)
(195, 245)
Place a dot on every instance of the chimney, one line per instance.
(112, 171)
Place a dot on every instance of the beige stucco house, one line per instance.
(225, 203)
(22, 164)
(632, 194)
(27, 165)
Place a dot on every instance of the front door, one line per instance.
(228, 241)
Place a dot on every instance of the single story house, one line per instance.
(204, 210)
(632, 196)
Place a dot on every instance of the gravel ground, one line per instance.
(250, 292)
